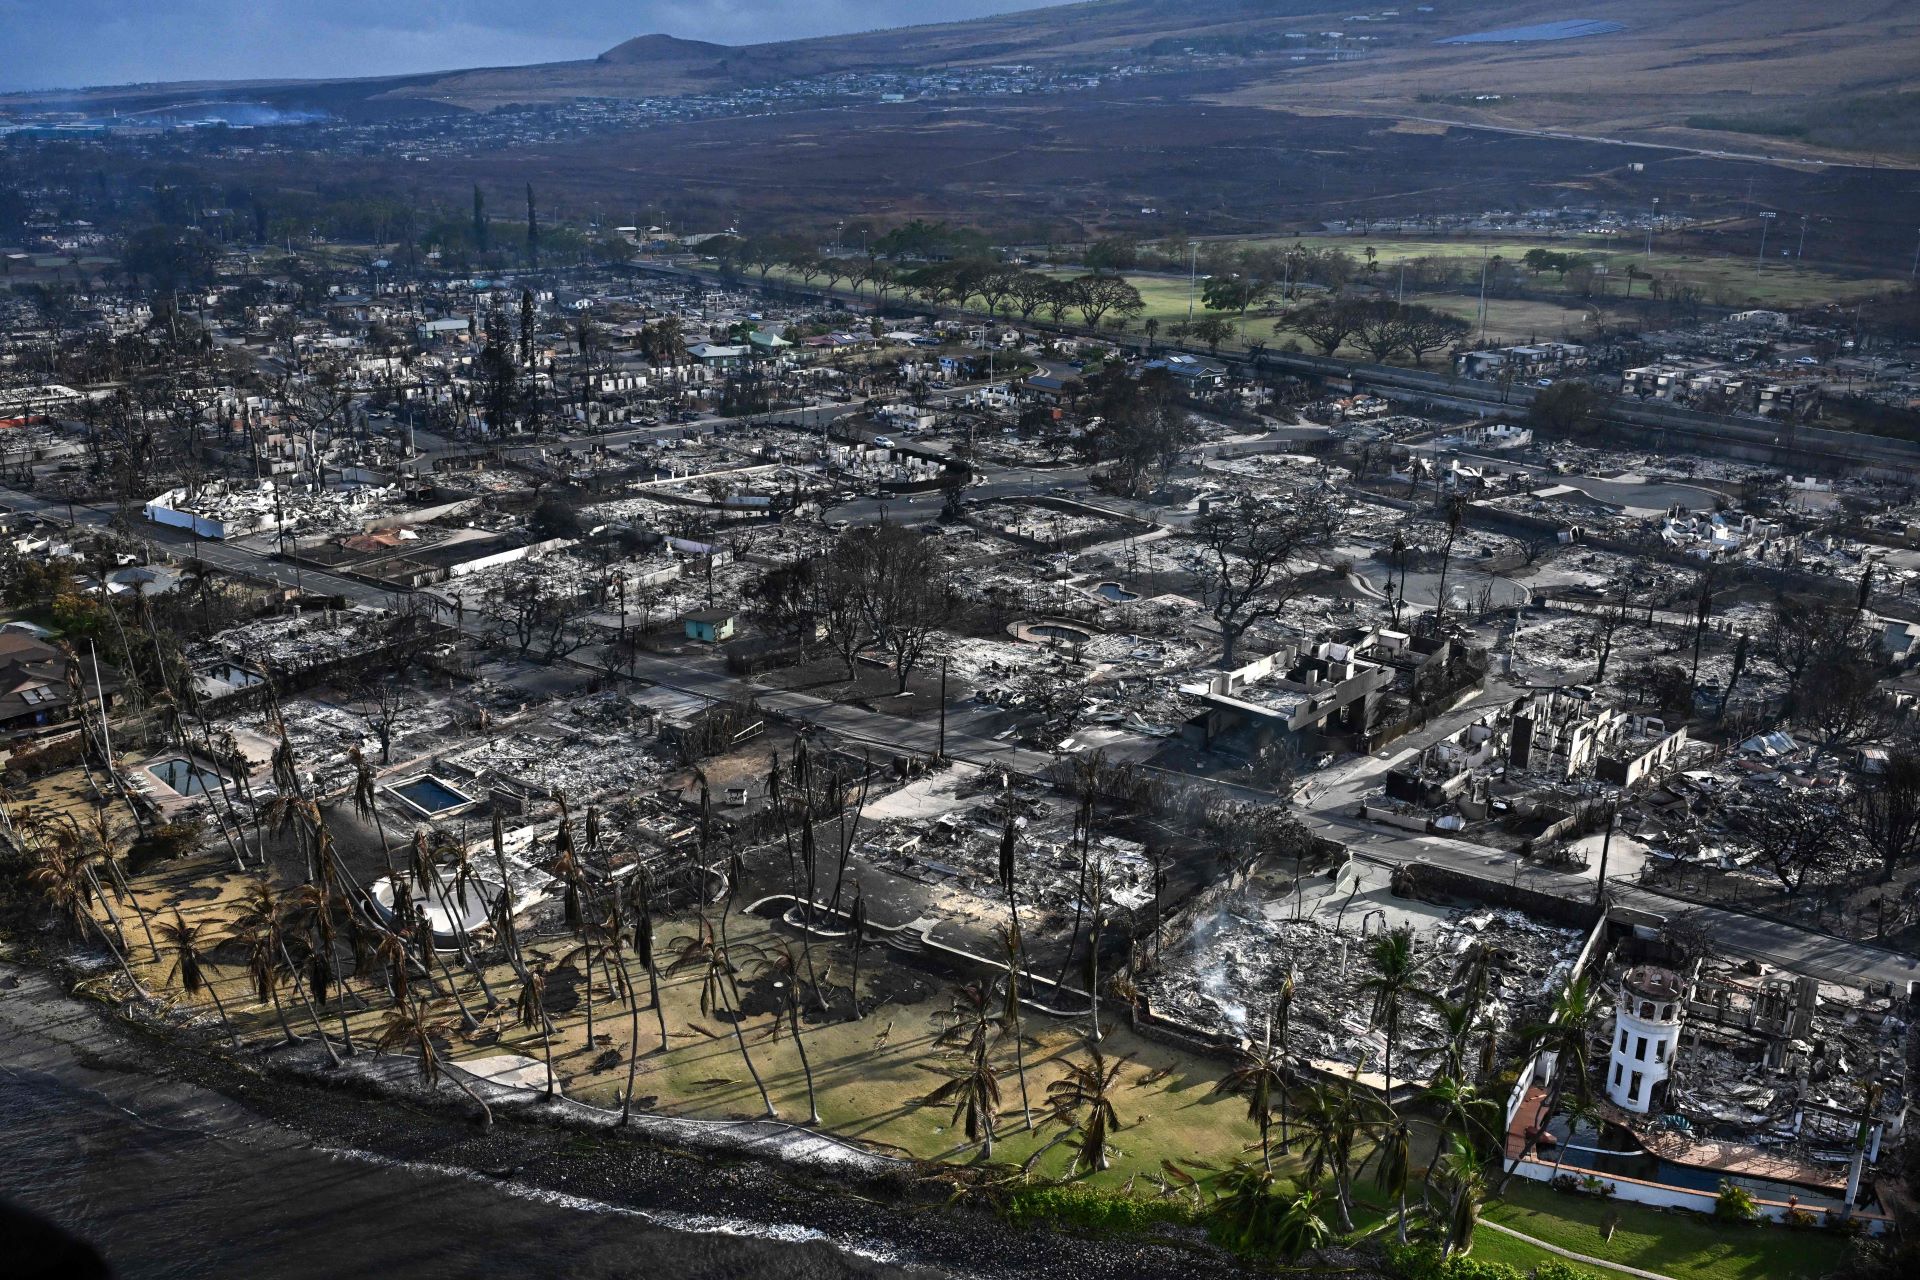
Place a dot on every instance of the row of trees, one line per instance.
(1379, 326)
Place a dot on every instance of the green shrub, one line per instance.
(1555, 1269)
(1084, 1209)
(1423, 1262)
(1735, 1204)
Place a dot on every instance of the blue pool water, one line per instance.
(1048, 631)
(430, 795)
(1115, 592)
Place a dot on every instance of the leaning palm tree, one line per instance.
(257, 929)
(1083, 1099)
(307, 926)
(420, 1025)
(189, 964)
(67, 885)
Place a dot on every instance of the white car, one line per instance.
(882, 442)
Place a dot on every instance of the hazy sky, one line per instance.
(71, 43)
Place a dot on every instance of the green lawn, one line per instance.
(1729, 277)
(1686, 1246)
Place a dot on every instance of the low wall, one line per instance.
(1663, 1196)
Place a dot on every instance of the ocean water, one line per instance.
(174, 1182)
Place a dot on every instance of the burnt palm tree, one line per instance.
(419, 1026)
(599, 943)
(189, 965)
(257, 929)
(973, 1090)
(856, 944)
(64, 881)
(307, 926)
(641, 918)
(784, 968)
(365, 801)
(530, 1010)
(701, 950)
(1010, 1015)
(969, 1024)
(1083, 1100)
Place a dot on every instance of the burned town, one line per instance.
(1014, 727)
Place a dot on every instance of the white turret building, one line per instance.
(1646, 1031)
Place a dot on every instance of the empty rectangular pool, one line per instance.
(184, 777)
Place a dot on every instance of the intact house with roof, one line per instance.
(34, 693)
(715, 355)
(711, 626)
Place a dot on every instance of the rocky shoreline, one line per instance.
(858, 1223)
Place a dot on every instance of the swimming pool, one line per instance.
(184, 777)
(428, 795)
(1115, 592)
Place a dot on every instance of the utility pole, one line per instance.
(1606, 846)
(1193, 276)
(1801, 252)
(943, 709)
(1766, 221)
(1915, 272)
(1485, 261)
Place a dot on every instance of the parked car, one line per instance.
(882, 442)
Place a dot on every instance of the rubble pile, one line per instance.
(1225, 977)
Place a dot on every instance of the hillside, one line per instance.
(1690, 73)
(1671, 64)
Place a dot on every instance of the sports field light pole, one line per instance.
(1193, 276)
(1915, 272)
(1766, 220)
(1652, 218)
(1801, 252)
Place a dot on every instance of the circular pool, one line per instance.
(1053, 631)
(449, 911)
